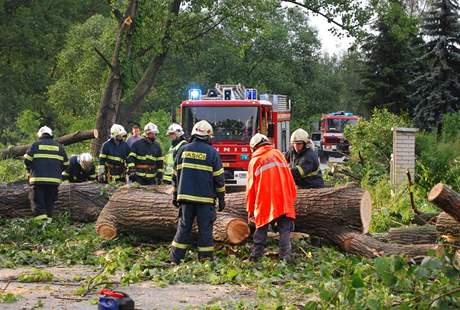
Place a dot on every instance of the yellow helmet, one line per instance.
(300, 135)
(202, 129)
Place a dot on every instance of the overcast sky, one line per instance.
(330, 43)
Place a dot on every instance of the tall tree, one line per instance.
(389, 55)
(438, 89)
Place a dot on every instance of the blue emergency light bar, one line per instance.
(341, 113)
(194, 94)
(251, 94)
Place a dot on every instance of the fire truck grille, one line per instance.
(228, 157)
(332, 140)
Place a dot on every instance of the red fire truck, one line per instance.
(236, 115)
(331, 126)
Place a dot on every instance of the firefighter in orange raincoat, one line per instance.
(270, 196)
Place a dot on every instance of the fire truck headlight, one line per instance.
(244, 157)
(194, 94)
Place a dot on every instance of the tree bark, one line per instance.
(359, 244)
(83, 201)
(448, 227)
(147, 211)
(410, 235)
(78, 136)
(446, 199)
(111, 97)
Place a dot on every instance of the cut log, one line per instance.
(425, 234)
(364, 245)
(78, 136)
(148, 212)
(83, 201)
(448, 227)
(446, 199)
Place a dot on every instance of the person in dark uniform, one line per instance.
(45, 160)
(176, 135)
(81, 169)
(114, 153)
(198, 179)
(303, 161)
(145, 161)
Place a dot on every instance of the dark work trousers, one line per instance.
(205, 216)
(285, 226)
(144, 181)
(42, 198)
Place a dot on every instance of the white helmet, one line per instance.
(202, 129)
(300, 135)
(151, 127)
(175, 128)
(85, 160)
(117, 130)
(44, 130)
(258, 139)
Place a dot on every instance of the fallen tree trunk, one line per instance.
(364, 245)
(448, 227)
(78, 136)
(83, 201)
(447, 199)
(148, 212)
(425, 234)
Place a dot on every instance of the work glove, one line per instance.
(102, 178)
(131, 174)
(221, 206)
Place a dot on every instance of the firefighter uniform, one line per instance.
(45, 160)
(170, 157)
(113, 158)
(266, 201)
(76, 174)
(198, 178)
(145, 162)
(305, 168)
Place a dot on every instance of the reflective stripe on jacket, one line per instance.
(198, 175)
(75, 173)
(271, 190)
(305, 168)
(146, 159)
(170, 157)
(45, 160)
(115, 155)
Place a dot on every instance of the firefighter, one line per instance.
(266, 201)
(176, 135)
(303, 161)
(145, 161)
(81, 169)
(45, 160)
(198, 179)
(112, 160)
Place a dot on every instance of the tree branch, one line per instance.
(103, 58)
(317, 11)
(206, 31)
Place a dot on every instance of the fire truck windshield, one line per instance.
(228, 123)
(338, 124)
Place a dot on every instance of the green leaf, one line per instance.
(357, 281)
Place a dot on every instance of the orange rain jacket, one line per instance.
(271, 190)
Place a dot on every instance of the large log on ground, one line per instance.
(425, 234)
(78, 136)
(364, 245)
(447, 199)
(147, 211)
(448, 227)
(83, 201)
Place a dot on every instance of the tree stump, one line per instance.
(446, 199)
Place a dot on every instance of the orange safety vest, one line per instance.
(271, 191)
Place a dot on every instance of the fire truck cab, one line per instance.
(236, 115)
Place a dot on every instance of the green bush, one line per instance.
(451, 127)
(371, 145)
(12, 170)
